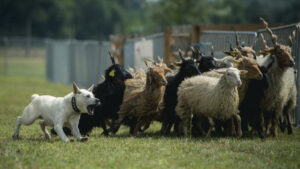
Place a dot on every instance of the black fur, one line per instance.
(188, 68)
(250, 111)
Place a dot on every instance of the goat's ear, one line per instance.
(146, 63)
(220, 71)
(227, 53)
(237, 62)
(75, 88)
(91, 88)
(112, 59)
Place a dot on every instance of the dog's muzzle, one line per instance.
(90, 108)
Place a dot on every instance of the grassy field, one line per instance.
(149, 150)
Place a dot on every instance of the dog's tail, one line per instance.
(34, 96)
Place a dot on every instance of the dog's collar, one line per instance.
(74, 106)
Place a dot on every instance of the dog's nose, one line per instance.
(97, 101)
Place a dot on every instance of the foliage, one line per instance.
(97, 19)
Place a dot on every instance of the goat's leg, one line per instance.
(137, 127)
(287, 115)
(239, 130)
(267, 117)
(211, 125)
(259, 126)
(105, 131)
(274, 126)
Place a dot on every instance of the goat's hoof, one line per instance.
(83, 139)
(15, 136)
(71, 140)
(104, 133)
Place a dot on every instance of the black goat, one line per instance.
(188, 68)
(250, 110)
(206, 63)
(110, 93)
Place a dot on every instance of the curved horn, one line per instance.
(180, 55)
(292, 37)
(151, 60)
(112, 59)
(231, 49)
(274, 37)
(194, 53)
(237, 41)
(212, 51)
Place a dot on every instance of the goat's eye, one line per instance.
(88, 96)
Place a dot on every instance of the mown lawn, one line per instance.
(149, 150)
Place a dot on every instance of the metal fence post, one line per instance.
(297, 54)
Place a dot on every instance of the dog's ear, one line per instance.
(91, 88)
(75, 88)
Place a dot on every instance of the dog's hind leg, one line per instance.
(43, 127)
(27, 118)
(16, 132)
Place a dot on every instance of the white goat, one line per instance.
(209, 97)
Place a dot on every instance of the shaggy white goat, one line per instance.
(210, 97)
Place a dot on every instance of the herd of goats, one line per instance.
(243, 92)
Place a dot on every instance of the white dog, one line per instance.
(59, 112)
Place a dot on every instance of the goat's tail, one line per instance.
(34, 96)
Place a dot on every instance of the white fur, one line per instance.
(56, 112)
(214, 98)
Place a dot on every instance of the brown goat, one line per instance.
(144, 104)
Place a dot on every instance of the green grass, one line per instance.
(149, 150)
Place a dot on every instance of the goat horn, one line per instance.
(212, 51)
(180, 55)
(264, 41)
(151, 60)
(231, 49)
(237, 41)
(112, 58)
(274, 37)
(194, 53)
(292, 37)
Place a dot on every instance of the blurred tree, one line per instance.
(41, 17)
(97, 19)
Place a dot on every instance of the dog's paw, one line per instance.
(83, 139)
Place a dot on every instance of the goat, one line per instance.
(209, 97)
(188, 68)
(144, 104)
(281, 94)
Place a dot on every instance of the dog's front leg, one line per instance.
(60, 132)
(76, 132)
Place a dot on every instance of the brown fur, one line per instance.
(144, 103)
